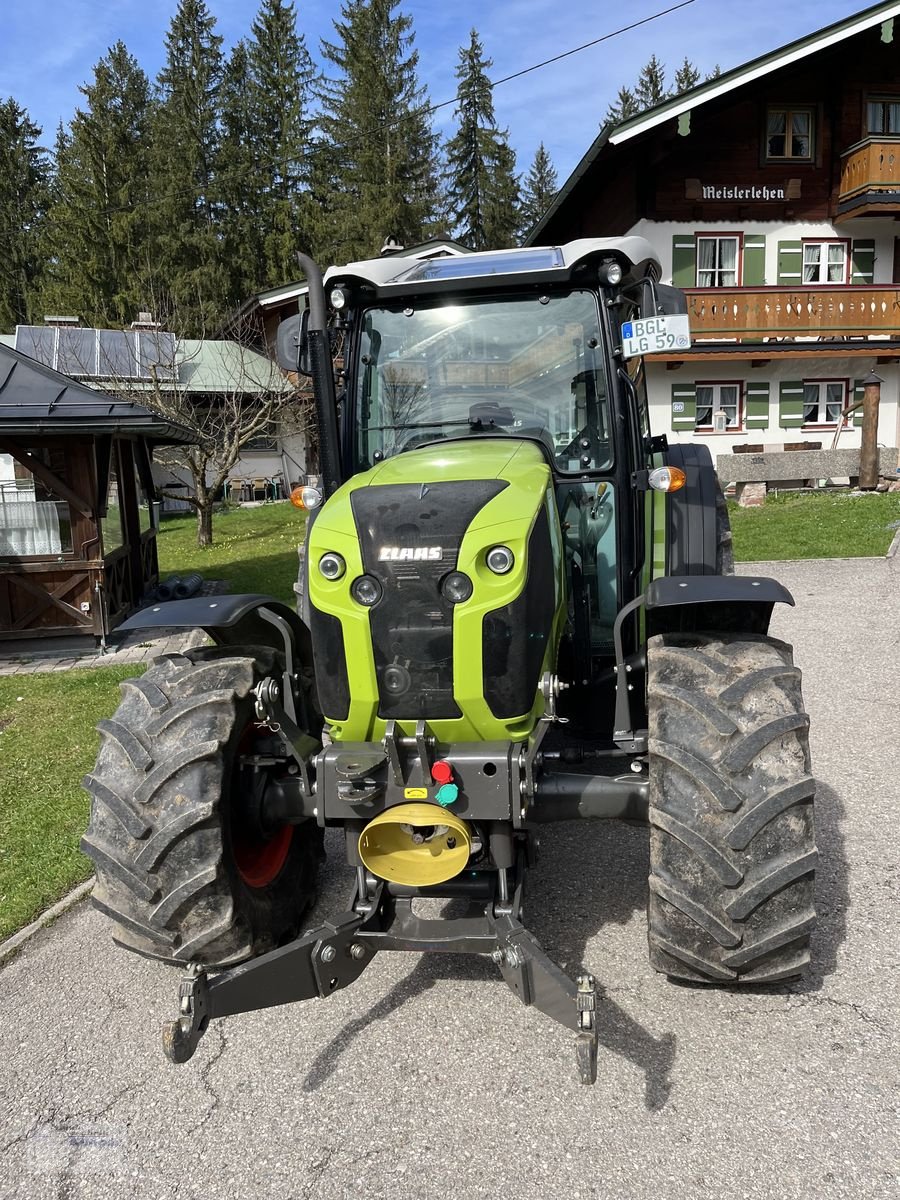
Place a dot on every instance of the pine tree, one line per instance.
(650, 88)
(483, 188)
(540, 187)
(240, 188)
(281, 83)
(686, 77)
(97, 240)
(625, 106)
(24, 179)
(189, 266)
(377, 164)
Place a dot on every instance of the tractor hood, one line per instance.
(407, 645)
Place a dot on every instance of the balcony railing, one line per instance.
(775, 312)
(870, 166)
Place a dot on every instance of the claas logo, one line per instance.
(410, 554)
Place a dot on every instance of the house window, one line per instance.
(883, 116)
(34, 521)
(266, 439)
(717, 261)
(789, 133)
(718, 407)
(823, 401)
(825, 262)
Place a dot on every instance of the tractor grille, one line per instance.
(412, 625)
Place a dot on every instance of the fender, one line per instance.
(691, 513)
(714, 603)
(230, 621)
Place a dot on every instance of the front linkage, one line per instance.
(328, 958)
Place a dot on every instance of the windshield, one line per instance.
(524, 366)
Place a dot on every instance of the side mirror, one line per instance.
(291, 344)
(671, 300)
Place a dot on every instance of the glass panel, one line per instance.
(77, 352)
(837, 260)
(704, 407)
(706, 262)
(38, 342)
(775, 134)
(111, 524)
(145, 511)
(587, 512)
(800, 123)
(728, 403)
(893, 118)
(463, 266)
(834, 402)
(728, 262)
(156, 353)
(485, 367)
(116, 354)
(874, 117)
(810, 404)
(812, 261)
(34, 522)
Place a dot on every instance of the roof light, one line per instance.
(610, 273)
(667, 479)
(338, 298)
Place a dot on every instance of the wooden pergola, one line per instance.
(77, 518)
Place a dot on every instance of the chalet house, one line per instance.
(772, 196)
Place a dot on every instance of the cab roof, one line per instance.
(397, 274)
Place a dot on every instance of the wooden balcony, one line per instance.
(870, 178)
(753, 314)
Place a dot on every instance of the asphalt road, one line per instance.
(427, 1079)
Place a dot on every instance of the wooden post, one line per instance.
(868, 454)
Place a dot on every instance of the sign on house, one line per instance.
(697, 189)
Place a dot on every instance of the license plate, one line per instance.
(655, 335)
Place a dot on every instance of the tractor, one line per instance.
(516, 605)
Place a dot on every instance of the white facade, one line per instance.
(767, 396)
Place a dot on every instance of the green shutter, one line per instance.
(790, 264)
(790, 405)
(858, 393)
(862, 261)
(757, 406)
(684, 406)
(684, 260)
(754, 260)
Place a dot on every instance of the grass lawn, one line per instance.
(47, 743)
(255, 549)
(809, 525)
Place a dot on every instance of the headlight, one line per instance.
(456, 587)
(332, 566)
(366, 590)
(500, 560)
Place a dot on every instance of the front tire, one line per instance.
(179, 867)
(732, 854)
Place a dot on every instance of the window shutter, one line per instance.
(754, 260)
(790, 263)
(790, 405)
(684, 260)
(862, 260)
(757, 406)
(684, 406)
(858, 393)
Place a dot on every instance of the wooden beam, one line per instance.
(46, 476)
(46, 598)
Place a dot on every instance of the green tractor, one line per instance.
(516, 605)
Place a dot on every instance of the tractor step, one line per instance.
(328, 958)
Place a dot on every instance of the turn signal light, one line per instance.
(306, 497)
(667, 479)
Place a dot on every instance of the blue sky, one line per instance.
(48, 49)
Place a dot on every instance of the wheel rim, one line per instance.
(259, 859)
